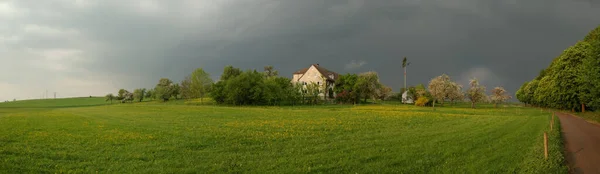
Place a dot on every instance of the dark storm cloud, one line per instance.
(99, 46)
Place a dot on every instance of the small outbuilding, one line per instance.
(406, 98)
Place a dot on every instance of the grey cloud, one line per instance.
(355, 64)
(96, 47)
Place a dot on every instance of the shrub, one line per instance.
(422, 101)
(345, 97)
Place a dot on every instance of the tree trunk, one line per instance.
(434, 105)
(582, 108)
(495, 105)
(473, 105)
(572, 109)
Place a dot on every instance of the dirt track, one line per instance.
(582, 143)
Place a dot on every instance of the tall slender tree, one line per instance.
(200, 84)
(405, 64)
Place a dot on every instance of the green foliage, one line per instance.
(200, 83)
(254, 88)
(217, 93)
(593, 36)
(345, 85)
(186, 91)
(520, 94)
(109, 97)
(139, 94)
(367, 84)
(590, 77)
(571, 81)
(421, 92)
(230, 72)
(270, 71)
(164, 89)
(246, 89)
(121, 94)
(150, 94)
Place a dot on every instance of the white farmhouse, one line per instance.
(319, 75)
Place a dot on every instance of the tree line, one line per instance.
(571, 82)
(251, 87)
(442, 89)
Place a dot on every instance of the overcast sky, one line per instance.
(88, 47)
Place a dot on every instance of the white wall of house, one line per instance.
(313, 75)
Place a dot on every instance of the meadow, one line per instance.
(87, 135)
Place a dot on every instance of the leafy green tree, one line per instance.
(294, 94)
(121, 94)
(230, 72)
(346, 84)
(164, 89)
(529, 92)
(589, 79)
(200, 84)
(544, 96)
(139, 94)
(367, 84)
(270, 71)
(186, 91)
(149, 94)
(593, 36)
(175, 90)
(278, 90)
(247, 88)
(571, 80)
(521, 93)
(218, 92)
(109, 97)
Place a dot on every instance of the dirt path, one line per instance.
(582, 143)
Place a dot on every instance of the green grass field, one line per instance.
(85, 135)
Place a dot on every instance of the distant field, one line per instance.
(56, 103)
(63, 136)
